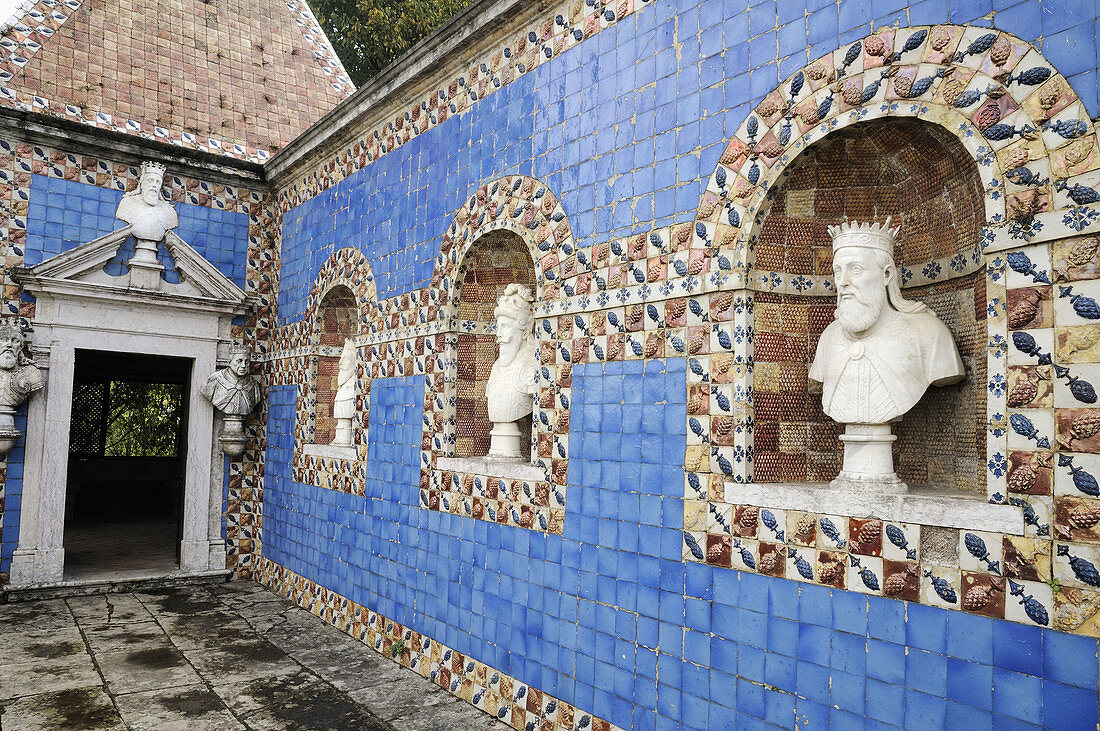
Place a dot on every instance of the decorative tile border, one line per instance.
(987, 88)
(351, 269)
(498, 694)
(323, 52)
(952, 70)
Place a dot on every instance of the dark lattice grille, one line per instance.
(88, 427)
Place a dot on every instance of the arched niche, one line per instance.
(336, 319)
(495, 260)
(921, 176)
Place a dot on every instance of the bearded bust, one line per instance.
(879, 356)
(144, 208)
(19, 376)
(511, 387)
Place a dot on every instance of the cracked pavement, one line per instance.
(224, 656)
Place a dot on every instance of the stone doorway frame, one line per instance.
(80, 308)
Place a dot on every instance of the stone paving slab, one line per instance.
(154, 667)
(205, 658)
(102, 610)
(88, 709)
(40, 644)
(188, 707)
(112, 638)
(47, 675)
(43, 615)
(301, 700)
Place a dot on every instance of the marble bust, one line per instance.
(234, 393)
(150, 218)
(19, 378)
(343, 405)
(511, 387)
(880, 354)
(144, 208)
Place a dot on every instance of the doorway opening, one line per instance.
(127, 457)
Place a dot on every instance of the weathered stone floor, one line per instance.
(226, 656)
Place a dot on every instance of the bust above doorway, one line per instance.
(93, 297)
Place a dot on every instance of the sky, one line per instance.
(7, 9)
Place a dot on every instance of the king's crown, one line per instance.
(865, 235)
(153, 168)
(9, 327)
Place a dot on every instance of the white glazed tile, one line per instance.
(1077, 303)
(1084, 467)
(1077, 390)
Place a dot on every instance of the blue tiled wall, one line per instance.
(63, 214)
(13, 494)
(626, 106)
(609, 617)
(625, 129)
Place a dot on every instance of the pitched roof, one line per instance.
(238, 77)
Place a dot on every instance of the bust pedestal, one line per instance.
(233, 439)
(868, 459)
(343, 436)
(9, 434)
(145, 267)
(504, 441)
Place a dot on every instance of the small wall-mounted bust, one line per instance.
(879, 356)
(343, 404)
(511, 387)
(19, 378)
(235, 394)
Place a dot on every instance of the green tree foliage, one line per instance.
(369, 34)
(143, 419)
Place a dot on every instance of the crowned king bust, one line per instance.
(880, 354)
(150, 217)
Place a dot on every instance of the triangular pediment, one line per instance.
(84, 271)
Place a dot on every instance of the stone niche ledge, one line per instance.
(920, 505)
(331, 451)
(504, 468)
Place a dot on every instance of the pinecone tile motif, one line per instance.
(1084, 251)
(874, 45)
(1025, 309)
(769, 563)
(1078, 428)
(870, 532)
(804, 529)
(1085, 515)
(1023, 393)
(941, 37)
(1024, 477)
(829, 573)
(1001, 51)
(894, 584)
(984, 595)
